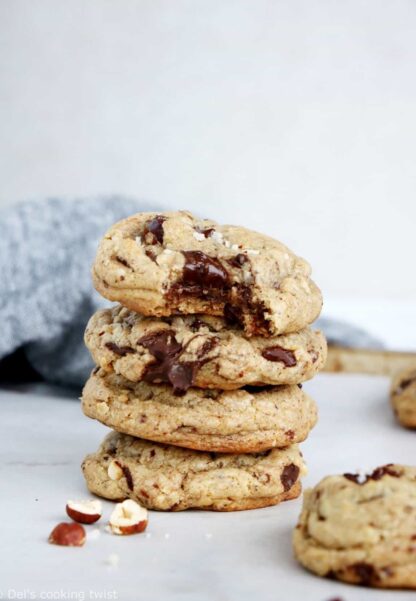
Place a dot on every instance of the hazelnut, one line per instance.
(128, 517)
(68, 535)
(114, 470)
(84, 512)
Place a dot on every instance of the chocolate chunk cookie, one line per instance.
(361, 529)
(403, 397)
(199, 350)
(170, 478)
(162, 264)
(238, 421)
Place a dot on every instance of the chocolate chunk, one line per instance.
(204, 271)
(289, 476)
(149, 253)
(122, 351)
(377, 474)
(127, 475)
(122, 261)
(384, 470)
(167, 368)
(239, 260)
(278, 353)
(205, 231)
(241, 304)
(155, 226)
(404, 384)
(365, 572)
(233, 315)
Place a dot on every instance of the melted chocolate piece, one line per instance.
(122, 351)
(365, 572)
(127, 475)
(203, 271)
(241, 304)
(167, 368)
(206, 231)
(377, 474)
(239, 260)
(289, 476)
(278, 353)
(155, 226)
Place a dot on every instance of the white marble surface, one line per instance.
(192, 555)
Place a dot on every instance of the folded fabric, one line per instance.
(46, 296)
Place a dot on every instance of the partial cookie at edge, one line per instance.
(361, 530)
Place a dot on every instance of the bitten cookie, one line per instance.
(172, 479)
(199, 351)
(162, 264)
(238, 421)
(403, 397)
(361, 530)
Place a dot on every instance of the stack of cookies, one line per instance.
(200, 365)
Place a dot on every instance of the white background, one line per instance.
(294, 117)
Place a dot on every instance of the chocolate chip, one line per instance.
(155, 227)
(202, 270)
(122, 261)
(377, 474)
(205, 231)
(122, 351)
(365, 572)
(144, 493)
(289, 476)
(384, 470)
(278, 353)
(167, 368)
(331, 574)
(404, 384)
(238, 261)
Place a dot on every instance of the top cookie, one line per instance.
(170, 263)
(361, 529)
